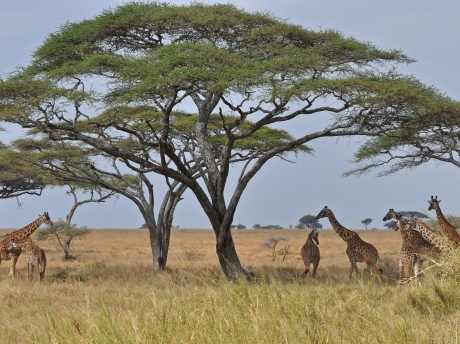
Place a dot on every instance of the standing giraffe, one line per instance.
(409, 262)
(20, 234)
(429, 234)
(310, 253)
(35, 256)
(414, 248)
(449, 230)
(357, 249)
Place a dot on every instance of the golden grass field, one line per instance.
(110, 295)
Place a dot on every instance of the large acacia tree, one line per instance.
(217, 60)
(80, 166)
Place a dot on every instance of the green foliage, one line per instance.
(64, 234)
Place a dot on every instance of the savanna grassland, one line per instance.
(109, 294)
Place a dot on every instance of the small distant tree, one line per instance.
(309, 221)
(366, 222)
(240, 226)
(271, 243)
(64, 234)
(256, 226)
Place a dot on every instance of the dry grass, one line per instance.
(110, 295)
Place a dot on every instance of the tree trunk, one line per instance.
(228, 259)
(66, 249)
(155, 244)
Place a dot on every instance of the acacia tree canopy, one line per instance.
(242, 73)
(435, 136)
(18, 178)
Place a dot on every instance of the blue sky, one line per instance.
(282, 192)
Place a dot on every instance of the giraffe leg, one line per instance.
(401, 269)
(315, 266)
(418, 267)
(375, 271)
(304, 273)
(408, 272)
(42, 271)
(355, 268)
(14, 259)
(30, 269)
(307, 263)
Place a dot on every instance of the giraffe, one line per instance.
(449, 230)
(310, 253)
(429, 234)
(357, 249)
(20, 234)
(414, 248)
(409, 261)
(35, 256)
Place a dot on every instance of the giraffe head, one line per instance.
(45, 217)
(323, 213)
(314, 235)
(393, 216)
(434, 202)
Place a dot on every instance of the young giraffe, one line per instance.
(449, 230)
(20, 234)
(357, 249)
(310, 253)
(414, 249)
(35, 256)
(409, 262)
(429, 234)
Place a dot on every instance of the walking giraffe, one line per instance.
(310, 253)
(429, 234)
(20, 234)
(35, 256)
(357, 249)
(414, 248)
(449, 230)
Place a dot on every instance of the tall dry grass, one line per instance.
(110, 295)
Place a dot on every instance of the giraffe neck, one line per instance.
(27, 230)
(343, 232)
(446, 227)
(430, 235)
(401, 226)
